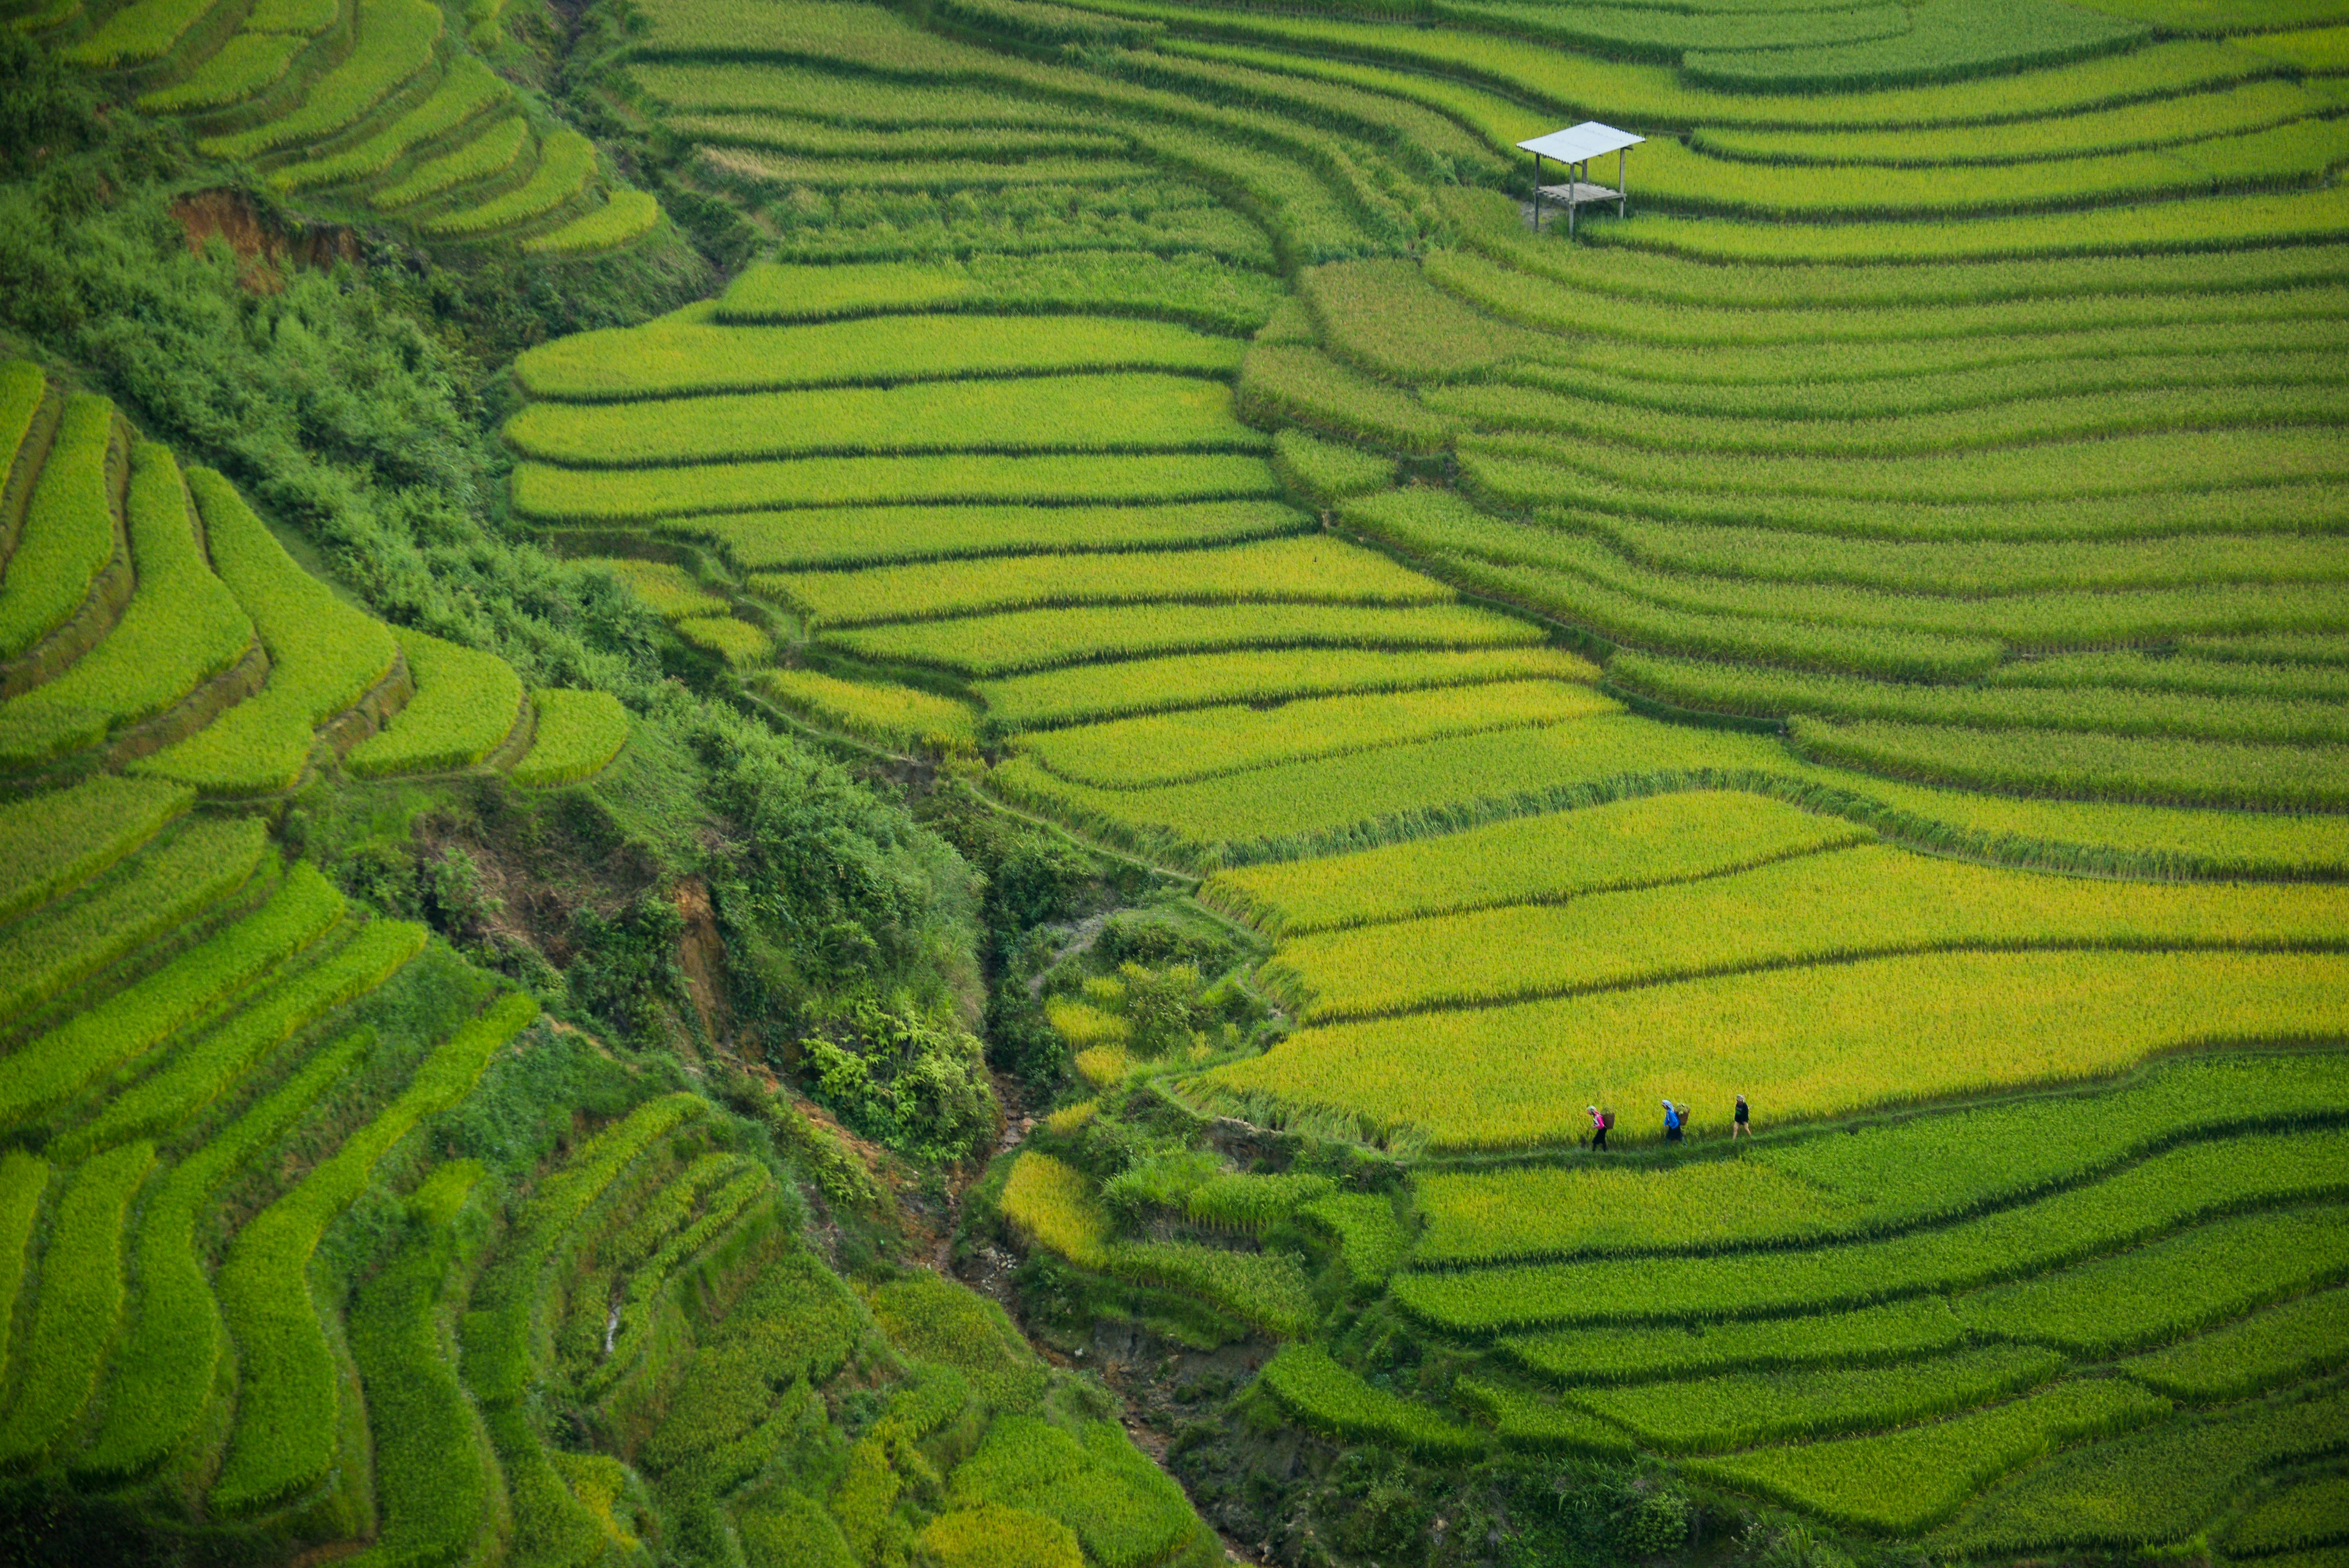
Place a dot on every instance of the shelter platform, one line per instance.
(1579, 193)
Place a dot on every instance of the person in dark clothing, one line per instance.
(1741, 1124)
(1598, 1128)
(1672, 1123)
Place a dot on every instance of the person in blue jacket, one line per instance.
(1672, 1123)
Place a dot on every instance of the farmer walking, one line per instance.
(1598, 1120)
(1672, 1123)
(1741, 1123)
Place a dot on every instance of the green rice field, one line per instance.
(1713, 835)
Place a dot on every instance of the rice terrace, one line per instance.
(1142, 783)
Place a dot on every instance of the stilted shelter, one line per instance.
(1575, 147)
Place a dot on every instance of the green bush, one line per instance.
(53, 1067)
(163, 1369)
(286, 1430)
(578, 733)
(67, 537)
(214, 1062)
(466, 702)
(163, 887)
(79, 1304)
(181, 627)
(52, 842)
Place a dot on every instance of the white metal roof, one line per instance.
(1577, 142)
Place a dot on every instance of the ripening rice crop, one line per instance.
(2182, 1283)
(52, 1068)
(1873, 1177)
(54, 842)
(1032, 640)
(686, 353)
(466, 702)
(2271, 1347)
(1157, 749)
(1309, 569)
(1531, 859)
(1192, 289)
(1869, 1335)
(1153, 412)
(737, 641)
(2196, 1182)
(670, 590)
(628, 216)
(558, 495)
(325, 656)
(162, 886)
(469, 87)
(2157, 1486)
(1723, 689)
(859, 536)
(567, 161)
(1814, 908)
(1806, 1040)
(878, 710)
(1738, 1410)
(395, 40)
(1327, 1397)
(1090, 692)
(1049, 1203)
(68, 535)
(1285, 386)
(2100, 767)
(1907, 1480)
(577, 733)
(489, 151)
(181, 627)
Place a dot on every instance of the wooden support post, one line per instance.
(1622, 186)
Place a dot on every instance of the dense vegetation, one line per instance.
(616, 624)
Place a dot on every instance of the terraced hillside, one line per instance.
(372, 111)
(310, 1225)
(1865, 632)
